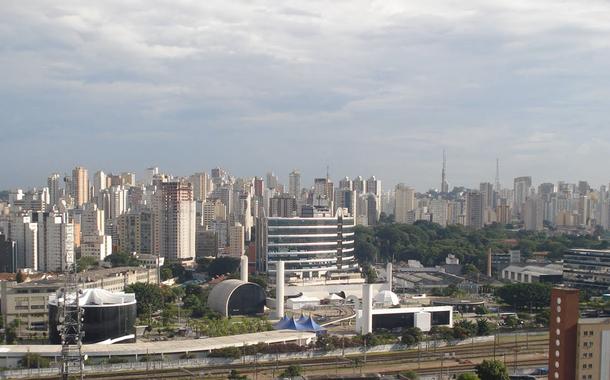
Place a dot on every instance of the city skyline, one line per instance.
(307, 179)
(363, 87)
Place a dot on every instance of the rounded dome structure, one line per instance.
(387, 298)
(236, 297)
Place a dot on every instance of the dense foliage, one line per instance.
(150, 297)
(492, 370)
(119, 259)
(430, 243)
(468, 376)
(523, 296)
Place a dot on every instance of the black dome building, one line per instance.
(236, 297)
(106, 316)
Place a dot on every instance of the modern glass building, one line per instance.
(587, 269)
(314, 246)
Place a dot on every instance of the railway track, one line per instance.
(454, 357)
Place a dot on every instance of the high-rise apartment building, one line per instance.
(359, 185)
(174, 218)
(80, 186)
(474, 207)
(404, 201)
(346, 183)
(294, 183)
(522, 186)
(202, 185)
(533, 214)
(283, 206)
(213, 209)
(24, 232)
(347, 199)
(55, 241)
(438, 209)
(100, 182)
(135, 232)
(54, 185)
(8, 255)
(236, 240)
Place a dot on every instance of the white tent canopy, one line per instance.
(302, 301)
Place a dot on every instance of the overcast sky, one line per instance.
(366, 87)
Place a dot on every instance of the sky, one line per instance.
(364, 87)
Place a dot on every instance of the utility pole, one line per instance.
(70, 325)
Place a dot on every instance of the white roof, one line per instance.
(304, 298)
(333, 297)
(387, 297)
(99, 297)
(165, 347)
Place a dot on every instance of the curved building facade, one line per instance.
(237, 297)
(312, 247)
(106, 316)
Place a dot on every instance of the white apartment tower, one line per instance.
(55, 242)
(174, 216)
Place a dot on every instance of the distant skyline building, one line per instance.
(80, 186)
(444, 183)
(404, 201)
(294, 183)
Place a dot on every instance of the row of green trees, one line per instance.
(430, 243)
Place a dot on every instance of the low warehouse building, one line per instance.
(422, 317)
(236, 297)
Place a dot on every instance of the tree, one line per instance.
(464, 329)
(481, 310)
(468, 376)
(483, 327)
(31, 360)
(20, 277)
(492, 370)
(85, 263)
(410, 375)
(523, 296)
(293, 370)
(234, 375)
(119, 259)
(370, 273)
(411, 336)
(223, 265)
(166, 274)
(149, 297)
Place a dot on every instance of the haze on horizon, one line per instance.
(367, 87)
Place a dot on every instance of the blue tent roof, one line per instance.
(302, 324)
(310, 324)
(283, 323)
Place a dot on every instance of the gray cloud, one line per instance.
(368, 87)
